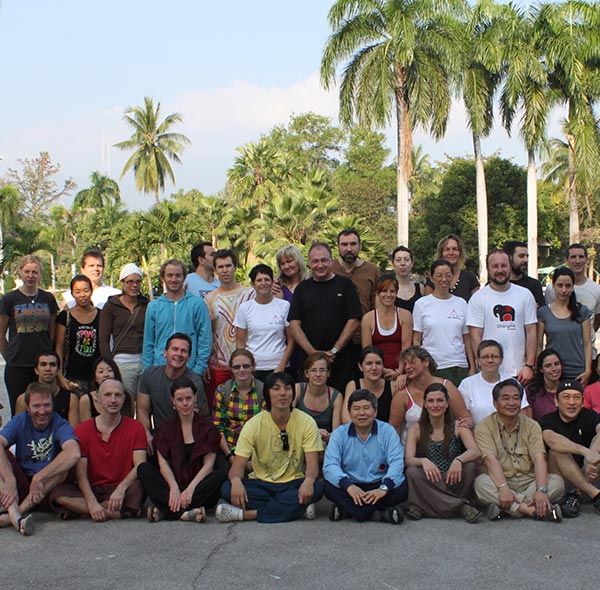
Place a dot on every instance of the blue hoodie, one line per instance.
(164, 317)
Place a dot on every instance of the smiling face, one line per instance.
(499, 269)
(81, 293)
(177, 354)
(320, 263)
(281, 396)
(508, 404)
(362, 414)
(318, 373)
(451, 252)
(40, 410)
(577, 260)
(436, 403)
(241, 368)
(103, 372)
(569, 402)
(442, 278)
(551, 368)
(30, 274)
(173, 278)
(387, 295)
(93, 269)
(263, 284)
(184, 401)
(131, 285)
(289, 267)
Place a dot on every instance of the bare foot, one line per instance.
(195, 515)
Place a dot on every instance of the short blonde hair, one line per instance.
(30, 259)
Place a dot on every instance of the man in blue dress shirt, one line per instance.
(364, 465)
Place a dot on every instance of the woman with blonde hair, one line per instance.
(292, 270)
(27, 326)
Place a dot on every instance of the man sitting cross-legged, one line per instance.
(572, 434)
(112, 447)
(515, 478)
(364, 465)
(45, 449)
(278, 441)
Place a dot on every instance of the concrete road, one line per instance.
(319, 554)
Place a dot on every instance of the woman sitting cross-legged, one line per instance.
(189, 476)
(440, 456)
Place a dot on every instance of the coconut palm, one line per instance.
(525, 92)
(102, 192)
(154, 145)
(400, 58)
(9, 208)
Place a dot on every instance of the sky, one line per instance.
(233, 70)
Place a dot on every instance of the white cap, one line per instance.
(130, 269)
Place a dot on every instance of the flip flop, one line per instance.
(195, 515)
(26, 525)
(153, 514)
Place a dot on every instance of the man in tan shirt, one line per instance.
(515, 477)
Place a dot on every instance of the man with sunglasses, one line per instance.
(279, 442)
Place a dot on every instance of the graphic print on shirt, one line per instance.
(41, 450)
(85, 341)
(505, 313)
(31, 317)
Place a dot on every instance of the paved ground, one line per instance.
(444, 554)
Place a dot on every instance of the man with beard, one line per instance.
(505, 313)
(362, 273)
(519, 259)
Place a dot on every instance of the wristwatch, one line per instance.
(532, 367)
(384, 488)
(543, 489)
(334, 350)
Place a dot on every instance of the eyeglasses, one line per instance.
(490, 357)
(285, 441)
(314, 371)
(243, 366)
(132, 282)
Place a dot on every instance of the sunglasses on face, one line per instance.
(285, 441)
(243, 366)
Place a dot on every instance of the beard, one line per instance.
(349, 257)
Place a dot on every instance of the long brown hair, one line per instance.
(425, 428)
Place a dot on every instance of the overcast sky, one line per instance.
(232, 69)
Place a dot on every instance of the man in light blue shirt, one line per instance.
(202, 280)
(364, 465)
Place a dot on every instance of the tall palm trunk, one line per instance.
(482, 212)
(573, 204)
(404, 142)
(532, 214)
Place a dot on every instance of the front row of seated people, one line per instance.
(274, 473)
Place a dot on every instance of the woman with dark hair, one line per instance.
(406, 407)
(440, 326)
(316, 398)
(463, 283)
(370, 363)
(104, 368)
(388, 327)
(541, 391)
(76, 339)
(186, 481)
(440, 459)
(566, 325)
(408, 292)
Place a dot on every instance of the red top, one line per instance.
(391, 345)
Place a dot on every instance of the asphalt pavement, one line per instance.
(319, 554)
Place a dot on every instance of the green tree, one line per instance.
(102, 192)
(400, 58)
(9, 209)
(154, 145)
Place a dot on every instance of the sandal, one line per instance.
(26, 525)
(194, 515)
(153, 514)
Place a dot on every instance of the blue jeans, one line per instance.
(274, 502)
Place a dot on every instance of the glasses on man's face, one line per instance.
(243, 366)
(490, 357)
(285, 441)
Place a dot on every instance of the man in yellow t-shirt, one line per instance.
(278, 441)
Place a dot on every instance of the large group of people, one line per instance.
(390, 397)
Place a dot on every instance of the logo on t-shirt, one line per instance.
(505, 313)
(41, 450)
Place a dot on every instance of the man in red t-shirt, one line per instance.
(112, 447)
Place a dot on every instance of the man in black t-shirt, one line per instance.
(325, 312)
(572, 434)
(519, 260)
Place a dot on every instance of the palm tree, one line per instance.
(525, 90)
(570, 38)
(103, 192)
(480, 77)
(400, 59)
(9, 208)
(154, 146)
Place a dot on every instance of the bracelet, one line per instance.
(459, 460)
(230, 454)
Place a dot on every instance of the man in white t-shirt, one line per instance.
(92, 266)
(586, 291)
(202, 280)
(506, 313)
